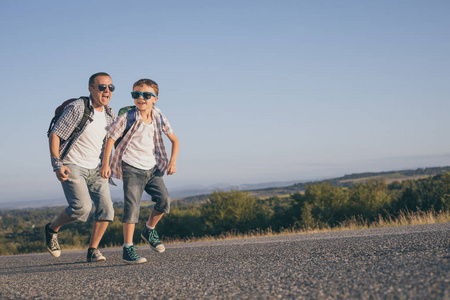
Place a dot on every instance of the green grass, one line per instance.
(405, 219)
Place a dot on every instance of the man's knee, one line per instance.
(79, 212)
(105, 212)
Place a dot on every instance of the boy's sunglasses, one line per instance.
(102, 87)
(145, 95)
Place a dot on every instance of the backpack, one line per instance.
(129, 110)
(59, 111)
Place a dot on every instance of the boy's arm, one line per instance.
(172, 168)
(62, 172)
(105, 170)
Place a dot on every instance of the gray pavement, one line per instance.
(410, 262)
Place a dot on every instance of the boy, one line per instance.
(140, 160)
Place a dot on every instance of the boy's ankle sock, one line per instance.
(148, 226)
(126, 245)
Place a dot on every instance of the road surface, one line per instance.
(411, 262)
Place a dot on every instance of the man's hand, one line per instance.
(105, 172)
(63, 173)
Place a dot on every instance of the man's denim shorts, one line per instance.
(135, 182)
(83, 187)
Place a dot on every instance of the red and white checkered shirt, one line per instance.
(116, 129)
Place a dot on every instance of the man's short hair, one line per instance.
(148, 82)
(92, 78)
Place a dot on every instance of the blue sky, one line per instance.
(256, 91)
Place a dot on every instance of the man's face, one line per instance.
(101, 98)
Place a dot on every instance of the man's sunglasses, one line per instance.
(102, 87)
(145, 95)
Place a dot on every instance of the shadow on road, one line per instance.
(55, 267)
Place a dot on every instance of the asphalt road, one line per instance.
(392, 263)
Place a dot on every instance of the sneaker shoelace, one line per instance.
(131, 253)
(96, 253)
(54, 242)
(153, 237)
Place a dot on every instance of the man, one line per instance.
(78, 170)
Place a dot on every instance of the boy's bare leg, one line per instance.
(150, 235)
(129, 254)
(62, 219)
(97, 233)
(128, 231)
(154, 218)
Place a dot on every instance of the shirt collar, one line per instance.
(155, 112)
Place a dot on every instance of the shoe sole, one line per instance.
(54, 253)
(154, 249)
(97, 260)
(136, 262)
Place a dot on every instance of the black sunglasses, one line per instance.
(102, 87)
(145, 95)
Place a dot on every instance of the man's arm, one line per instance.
(62, 172)
(172, 168)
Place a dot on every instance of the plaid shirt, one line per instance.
(116, 129)
(70, 118)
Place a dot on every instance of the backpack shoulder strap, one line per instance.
(131, 118)
(86, 114)
(84, 119)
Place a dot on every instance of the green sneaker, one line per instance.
(130, 256)
(151, 237)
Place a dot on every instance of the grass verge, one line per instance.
(405, 218)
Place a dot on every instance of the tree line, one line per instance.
(320, 205)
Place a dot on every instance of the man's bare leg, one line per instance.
(97, 233)
(62, 219)
(98, 230)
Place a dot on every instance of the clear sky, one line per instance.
(256, 91)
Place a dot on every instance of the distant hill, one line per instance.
(344, 181)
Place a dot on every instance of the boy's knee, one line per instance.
(163, 204)
(130, 214)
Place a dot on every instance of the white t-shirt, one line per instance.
(140, 151)
(87, 149)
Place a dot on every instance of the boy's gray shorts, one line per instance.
(135, 182)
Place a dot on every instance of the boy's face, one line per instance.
(140, 102)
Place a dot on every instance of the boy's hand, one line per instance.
(171, 169)
(63, 173)
(105, 172)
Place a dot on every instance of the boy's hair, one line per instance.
(92, 78)
(148, 82)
